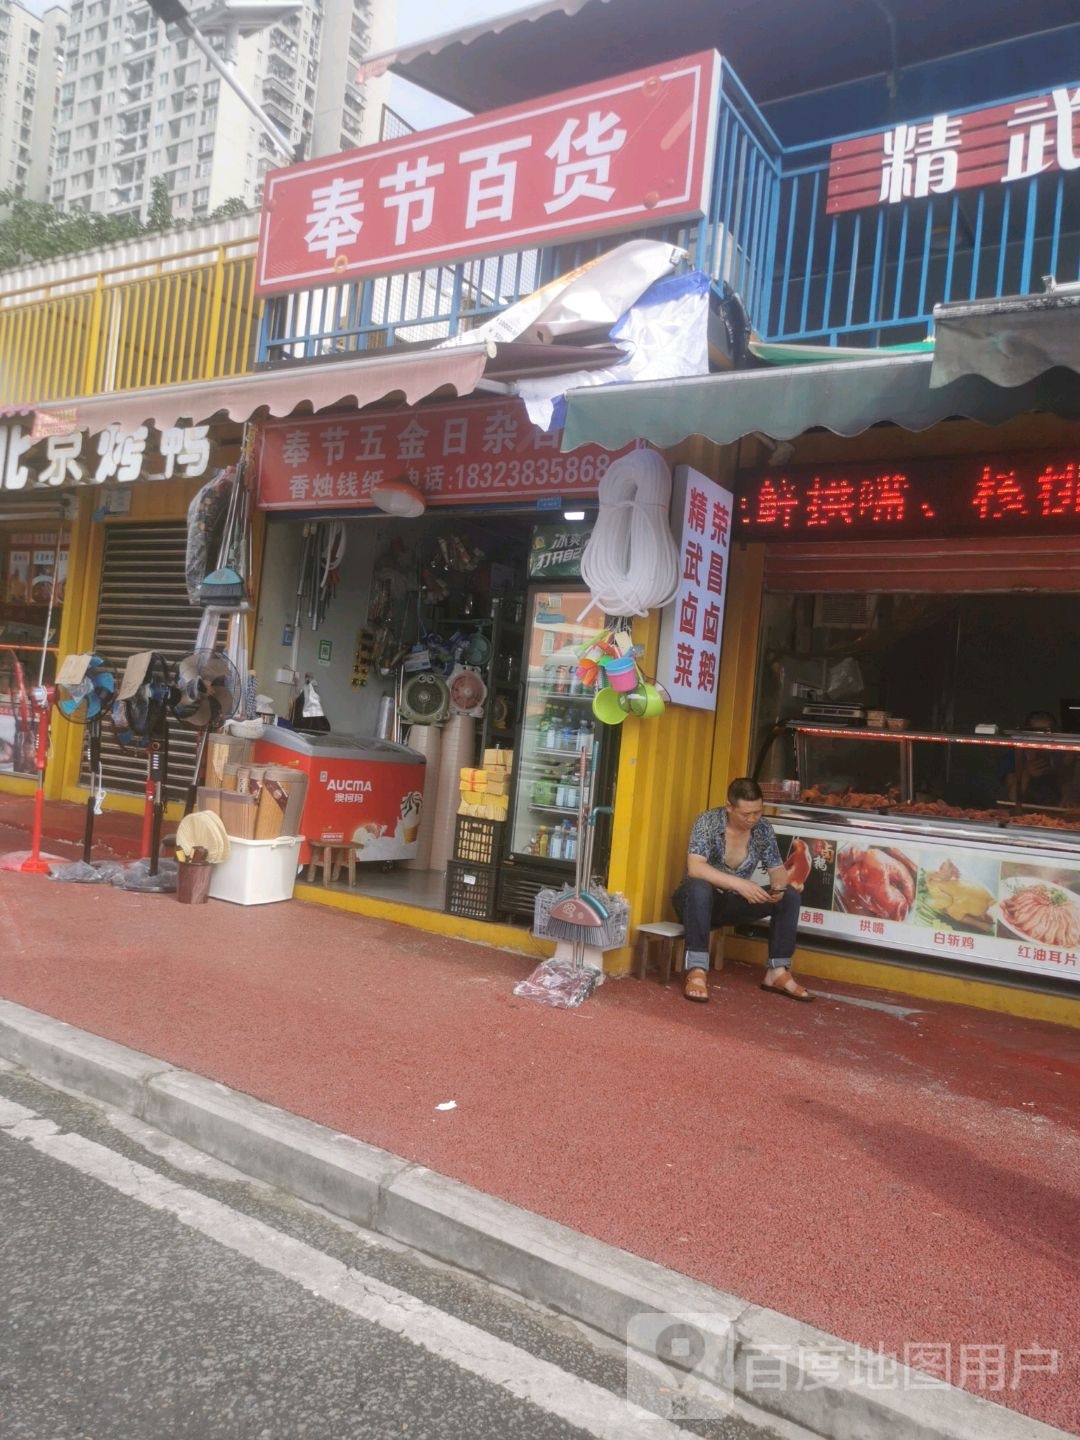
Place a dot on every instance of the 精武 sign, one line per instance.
(1005, 143)
(613, 156)
(692, 627)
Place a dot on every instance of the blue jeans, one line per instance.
(702, 909)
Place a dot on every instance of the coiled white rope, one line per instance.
(631, 562)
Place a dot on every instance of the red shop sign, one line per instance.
(481, 454)
(605, 157)
(957, 152)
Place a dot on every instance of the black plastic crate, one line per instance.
(517, 890)
(478, 841)
(470, 889)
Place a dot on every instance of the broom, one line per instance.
(226, 586)
(578, 915)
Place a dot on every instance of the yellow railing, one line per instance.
(189, 316)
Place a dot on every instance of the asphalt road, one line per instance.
(151, 1293)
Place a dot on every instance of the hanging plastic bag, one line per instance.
(560, 984)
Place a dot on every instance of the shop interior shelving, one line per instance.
(504, 636)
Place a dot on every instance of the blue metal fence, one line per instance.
(873, 276)
(864, 277)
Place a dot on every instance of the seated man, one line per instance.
(727, 847)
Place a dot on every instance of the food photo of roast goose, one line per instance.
(875, 880)
(798, 863)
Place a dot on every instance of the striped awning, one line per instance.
(409, 377)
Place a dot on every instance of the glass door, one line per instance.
(557, 725)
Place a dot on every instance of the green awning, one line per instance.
(785, 402)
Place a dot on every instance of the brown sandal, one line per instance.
(696, 987)
(790, 988)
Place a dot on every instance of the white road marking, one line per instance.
(578, 1402)
(900, 1011)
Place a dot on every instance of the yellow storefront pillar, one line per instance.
(672, 768)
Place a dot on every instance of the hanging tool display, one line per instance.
(227, 586)
(322, 569)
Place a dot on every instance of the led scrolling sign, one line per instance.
(960, 495)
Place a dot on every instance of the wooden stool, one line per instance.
(667, 934)
(670, 936)
(332, 858)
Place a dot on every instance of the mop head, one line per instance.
(222, 587)
(560, 983)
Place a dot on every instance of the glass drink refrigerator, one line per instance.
(556, 726)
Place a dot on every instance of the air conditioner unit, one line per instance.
(844, 612)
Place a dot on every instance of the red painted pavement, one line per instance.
(894, 1180)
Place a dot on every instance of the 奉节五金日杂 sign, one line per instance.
(692, 626)
(999, 145)
(612, 156)
(472, 454)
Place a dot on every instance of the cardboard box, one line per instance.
(499, 760)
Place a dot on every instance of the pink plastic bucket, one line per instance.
(622, 673)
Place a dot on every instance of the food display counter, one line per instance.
(885, 861)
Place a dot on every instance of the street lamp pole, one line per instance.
(173, 12)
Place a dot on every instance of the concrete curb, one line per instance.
(814, 1379)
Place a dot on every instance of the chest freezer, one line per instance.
(362, 791)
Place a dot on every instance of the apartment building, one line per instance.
(139, 101)
(30, 59)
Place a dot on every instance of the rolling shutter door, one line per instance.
(143, 605)
(983, 565)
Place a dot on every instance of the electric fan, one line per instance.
(84, 702)
(139, 719)
(207, 692)
(425, 699)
